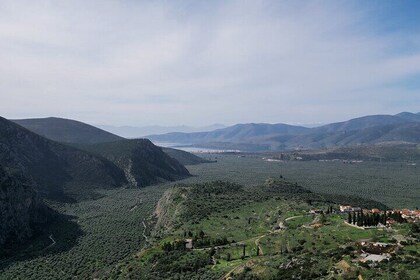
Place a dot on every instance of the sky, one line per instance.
(197, 63)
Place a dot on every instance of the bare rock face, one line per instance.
(21, 210)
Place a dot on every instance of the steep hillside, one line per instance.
(22, 211)
(75, 132)
(67, 131)
(59, 171)
(143, 162)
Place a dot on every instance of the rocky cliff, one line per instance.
(22, 212)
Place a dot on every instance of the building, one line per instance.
(188, 244)
(373, 257)
(375, 211)
(316, 211)
(348, 208)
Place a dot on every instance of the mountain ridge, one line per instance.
(142, 162)
(56, 169)
(402, 127)
(67, 130)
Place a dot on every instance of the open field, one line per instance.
(396, 184)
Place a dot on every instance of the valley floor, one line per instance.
(105, 232)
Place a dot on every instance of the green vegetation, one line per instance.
(379, 181)
(104, 237)
(263, 232)
(102, 233)
(379, 152)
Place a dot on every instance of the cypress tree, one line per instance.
(349, 219)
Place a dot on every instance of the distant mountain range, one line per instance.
(403, 127)
(136, 132)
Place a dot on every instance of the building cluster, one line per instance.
(409, 215)
(388, 217)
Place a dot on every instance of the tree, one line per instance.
(258, 250)
(322, 218)
(349, 219)
(243, 251)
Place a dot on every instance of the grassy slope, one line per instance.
(249, 220)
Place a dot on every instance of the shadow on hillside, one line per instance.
(60, 236)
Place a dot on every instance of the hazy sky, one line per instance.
(202, 62)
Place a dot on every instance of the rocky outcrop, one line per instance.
(22, 212)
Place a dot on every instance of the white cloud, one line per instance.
(139, 63)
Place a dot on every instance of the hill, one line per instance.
(406, 132)
(22, 211)
(409, 116)
(236, 133)
(403, 127)
(360, 123)
(75, 132)
(138, 132)
(58, 171)
(67, 131)
(143, 162)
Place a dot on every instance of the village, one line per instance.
(369, 251)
